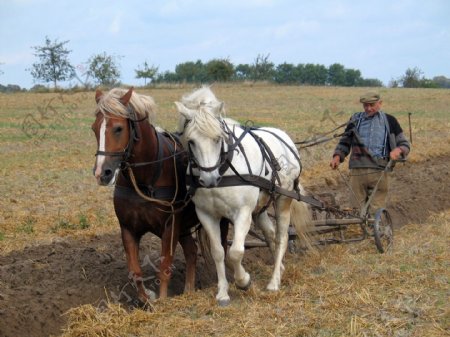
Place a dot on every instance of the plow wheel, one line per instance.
(383, 231)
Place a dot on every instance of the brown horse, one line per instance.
(148, 170)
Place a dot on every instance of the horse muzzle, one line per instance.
(106, 175)
(209, 179)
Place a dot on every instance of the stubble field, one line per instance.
(62, 267)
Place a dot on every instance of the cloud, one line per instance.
(115, 25)
(170, 7)
(290, 29)
(19, 57)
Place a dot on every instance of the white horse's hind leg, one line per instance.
(282, 216)
(212, 228)
(241, 227)
(263, 221)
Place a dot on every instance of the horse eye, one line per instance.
(191, 143)
(117, 129)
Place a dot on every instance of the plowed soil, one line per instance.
(40, 283)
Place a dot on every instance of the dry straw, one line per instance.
(346, 290)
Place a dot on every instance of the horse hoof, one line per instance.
(246, 287)
(271, 287)
(224, 303)
(151, 295)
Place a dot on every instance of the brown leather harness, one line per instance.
(224, 163)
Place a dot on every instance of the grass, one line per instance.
(65, 224)
(27, 226)
(49, 172)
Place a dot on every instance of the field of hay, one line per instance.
(49, 197)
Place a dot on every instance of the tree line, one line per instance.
(53, 66)
(222, 70)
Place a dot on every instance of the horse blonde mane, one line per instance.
(206, 105)
(200, 97)
(141, 104)
(206, 123)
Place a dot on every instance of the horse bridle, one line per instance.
(225, 157)
(134, 136)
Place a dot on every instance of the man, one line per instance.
(374, 138)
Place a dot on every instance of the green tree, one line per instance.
(104, 69)
(167, 77)
(442, 81)
(315, 74)
(412, 78)
(285, 73)
(146, 72)
(352, 77)
(300, 73)
(336, 75)
(191, 72)
(53, 65)
(243, 72)
(219, 70)
(263, 69)
(374, 82)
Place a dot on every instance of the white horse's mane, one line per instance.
(207, 114)
(141, 104)
(205, 123)
(200, 97)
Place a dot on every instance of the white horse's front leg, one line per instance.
(212, 227)
(241, 227)
(283, 217)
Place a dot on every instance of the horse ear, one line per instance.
(98, 95)
(217, 108)
(220, 108)
(183, 110)
(125, 99)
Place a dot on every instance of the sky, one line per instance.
(380, 38)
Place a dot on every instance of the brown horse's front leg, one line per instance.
(167, 252)
(131, 246)
(190, 255)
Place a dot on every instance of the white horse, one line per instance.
(211, 139)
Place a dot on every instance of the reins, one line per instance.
(322, 138)
(170, 204)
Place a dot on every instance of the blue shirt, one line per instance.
(373, 133)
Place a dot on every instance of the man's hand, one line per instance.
(335, 162)
(396, 154)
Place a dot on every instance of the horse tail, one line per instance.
(301, 219)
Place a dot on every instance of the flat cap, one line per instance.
(370, 97)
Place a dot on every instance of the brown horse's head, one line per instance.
(113, 140)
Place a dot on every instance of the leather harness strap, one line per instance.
(260, 182)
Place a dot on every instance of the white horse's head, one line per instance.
(201, 126)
